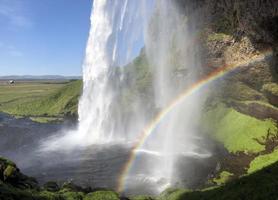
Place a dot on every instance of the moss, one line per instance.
(271, 88)
(223, 178)
(262, 161)
(9, 171)
(236, 130)
(101, 195)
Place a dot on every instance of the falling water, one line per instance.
(173, 55)
(116, 37)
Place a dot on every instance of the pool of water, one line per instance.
(97, 166)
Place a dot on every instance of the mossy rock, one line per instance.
(73, 195)
(51, 186)
(9, 172)
(101, 195)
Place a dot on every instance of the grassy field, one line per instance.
(40, 100)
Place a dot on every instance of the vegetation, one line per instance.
(218, 37)
(43, 102)
(236, 130)
(259, 185)
(223, 178)
(262, 161)
(271, 88)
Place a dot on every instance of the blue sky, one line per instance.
(41, 37)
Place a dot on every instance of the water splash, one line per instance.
(173, 55)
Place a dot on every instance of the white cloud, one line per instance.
(13, 11)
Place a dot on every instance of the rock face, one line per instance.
(233, 31)
(10, 174)
(229, 32)
(257, 19)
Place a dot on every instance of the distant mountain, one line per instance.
(41, 77)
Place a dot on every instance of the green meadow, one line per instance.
(42, 101)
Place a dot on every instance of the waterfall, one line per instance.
(116, 29)
(119, 30)
(172, 53)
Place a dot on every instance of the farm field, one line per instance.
(36, 99)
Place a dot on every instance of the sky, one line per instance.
(43, 37)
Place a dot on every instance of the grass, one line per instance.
(46, 119)
(236, 130)
(262, 161)
(21, 92)
(40, 100)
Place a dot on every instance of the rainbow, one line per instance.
(219, 72)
